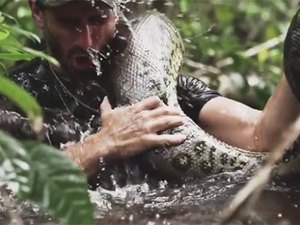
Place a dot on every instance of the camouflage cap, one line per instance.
(53, 3)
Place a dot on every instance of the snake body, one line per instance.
(149, 66)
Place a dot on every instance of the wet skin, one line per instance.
(72, 29)
(69, 33)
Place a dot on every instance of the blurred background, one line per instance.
(235, 46)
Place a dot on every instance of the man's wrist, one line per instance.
(87, 154)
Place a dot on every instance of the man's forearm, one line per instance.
(247, 128)
(280, 114)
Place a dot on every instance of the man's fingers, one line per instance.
(156, 141)
(148, 104)
(105, 106)
(163, 111)
(164, 122)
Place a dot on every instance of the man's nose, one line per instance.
(85, 39)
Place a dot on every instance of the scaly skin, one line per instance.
(149, 66)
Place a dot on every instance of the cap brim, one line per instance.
(55, 3)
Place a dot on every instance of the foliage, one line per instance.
(42, 174)
(237, 45)
(13, 50)
(35, 171)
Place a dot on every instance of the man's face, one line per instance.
(74, 28)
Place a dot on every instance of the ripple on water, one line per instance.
(196, 202)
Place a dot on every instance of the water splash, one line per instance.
(96, 57)
(196, 202)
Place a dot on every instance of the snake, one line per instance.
(148, 67)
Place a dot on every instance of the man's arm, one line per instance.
(247, 128)
(228, 120)
(244, 127)
(127, 131)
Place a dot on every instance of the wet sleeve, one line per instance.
(56, 131)
(16, 125)
(193, 94)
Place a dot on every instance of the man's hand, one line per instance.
(133, 129)
(127, 131)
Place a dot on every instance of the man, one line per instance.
(71, 95)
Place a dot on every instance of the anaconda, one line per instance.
(149, 66)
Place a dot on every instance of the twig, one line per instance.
(264, 46)
(253, 51)
(201, 66)
(247, 196)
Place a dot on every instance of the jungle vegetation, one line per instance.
(234, 46)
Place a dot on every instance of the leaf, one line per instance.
(42, 174)
(7, 16)
(17, 30)
(3, 68)
(11, 154)
(58, 185)
(24, 100)
(10, 42)
(184, 5)
(3, 34)
(263, 55)
(16, 56)
(41, 55)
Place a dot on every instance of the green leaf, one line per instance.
(24, 100)
(42, 174)
(16, 56)
(14, 162)
(41, 55)
(58, 185)
(3, 68)
(184, 5)
(17, 30)
(263, 55)
(8, 16)
(10, 42)
(3, 34)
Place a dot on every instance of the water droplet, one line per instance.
(78, 29)
(130, 217)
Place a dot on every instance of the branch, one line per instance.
(253, 51)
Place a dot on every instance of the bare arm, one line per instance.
(244, 127)
(127, 131)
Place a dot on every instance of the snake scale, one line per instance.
(149, 66)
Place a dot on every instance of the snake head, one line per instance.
(118, 44)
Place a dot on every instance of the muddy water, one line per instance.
(197, 202)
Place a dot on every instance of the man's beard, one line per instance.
(65, 59)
